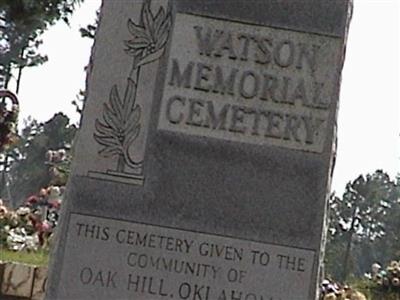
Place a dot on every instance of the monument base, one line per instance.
(116, 176)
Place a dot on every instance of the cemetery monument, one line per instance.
(203, 164)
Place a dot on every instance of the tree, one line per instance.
(30, 172)
(90, 30)
(86, 32)
(361, 217)
(335, 246)
(21, 24)
(389, 247)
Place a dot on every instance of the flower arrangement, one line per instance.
(8, 119)
(59, 165)
(330, 290)
(30, 226)
(387, 278)
(16, 231)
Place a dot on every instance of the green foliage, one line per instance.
(86, 32)
(121, 122)
(21, 24)
(90, 30)
(392, 239)
(30, 172)
(364, 225)
(79, 101)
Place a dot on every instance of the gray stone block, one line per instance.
(39, 283)
(17, 280)
(203, 163)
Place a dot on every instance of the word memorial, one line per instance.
(257, 85)
(204, 157)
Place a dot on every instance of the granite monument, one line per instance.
(203, 162)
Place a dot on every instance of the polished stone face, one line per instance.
(203, 164)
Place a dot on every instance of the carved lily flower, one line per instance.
(148, 40)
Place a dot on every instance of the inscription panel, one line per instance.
(126, 260)
(249, 84)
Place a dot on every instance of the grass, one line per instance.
(37, 258)
(371, 292)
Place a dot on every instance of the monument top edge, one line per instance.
(324, 17)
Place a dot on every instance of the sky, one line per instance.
(369, 113)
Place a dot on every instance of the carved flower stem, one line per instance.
(121, 163)
(134, 72)
(134, 76)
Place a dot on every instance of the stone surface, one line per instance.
(203, 163)
(17, 280)
(156, 262)
(2, 267)
(39, 283)
(279, 98)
